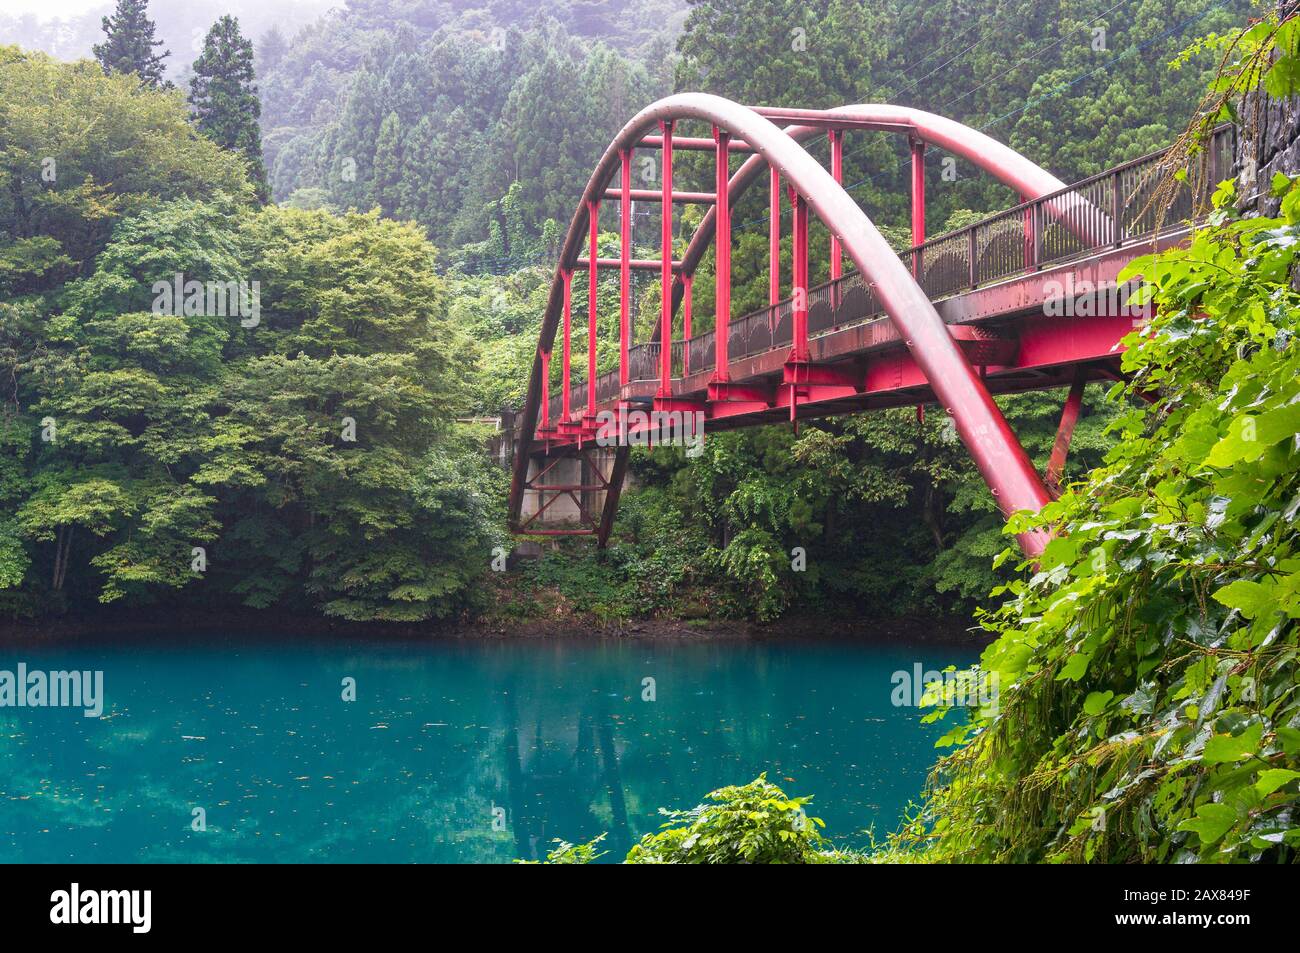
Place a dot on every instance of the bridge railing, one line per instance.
(1107, 210)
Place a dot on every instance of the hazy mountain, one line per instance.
(182, 24)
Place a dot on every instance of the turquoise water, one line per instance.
(454, 750)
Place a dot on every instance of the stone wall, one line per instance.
(1269, 142)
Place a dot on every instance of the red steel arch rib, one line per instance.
(996, 451)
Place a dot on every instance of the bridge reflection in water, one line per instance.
(553, 733)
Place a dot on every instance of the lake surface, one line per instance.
(454, 750)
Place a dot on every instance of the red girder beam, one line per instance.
(635, 264)
(831, 375)
(760, 393)
(799, 304)
(1064, 433)
(564, 361)
(687, 280)
(651, 195)
(837, 173)
(918, 203)
(617, 475)
(774, 239)
(692, 144)
(593, 210)
(544, 423)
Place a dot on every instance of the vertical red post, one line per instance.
(546, 391)
(567, 276)
(918, 203)
(593, 208)
(837, 173)
(774, 240)
(799, 331)
(666, 265)
(625, 267)
(1028, 231)
(686, 323)
(722, 256)
(1061, 446)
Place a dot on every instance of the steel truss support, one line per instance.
(613, 490)
(918, 203)
(593, 209)
(1064, 433)
(774, 240)
(611, 487)
(837, 173)
(666, 264)
(565, 410)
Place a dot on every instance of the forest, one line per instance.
(395, 177)
(246, 304)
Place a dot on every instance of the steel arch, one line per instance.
(1001, 460)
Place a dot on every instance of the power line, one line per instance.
(947, 62)
(910, 69)
(1032, 56)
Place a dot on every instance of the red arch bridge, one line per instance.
(988, 309)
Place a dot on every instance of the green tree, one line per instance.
(223, 94)
(61, 190)
(129, 44)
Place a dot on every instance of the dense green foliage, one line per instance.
(378, 103)
(61, 191)
(129, 44)
(754, 823)
(1148, 704)
(288, 444)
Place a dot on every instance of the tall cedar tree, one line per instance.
(224, 96)
(129, 44)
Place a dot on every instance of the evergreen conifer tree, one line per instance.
(223, 94)
(129, 44)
